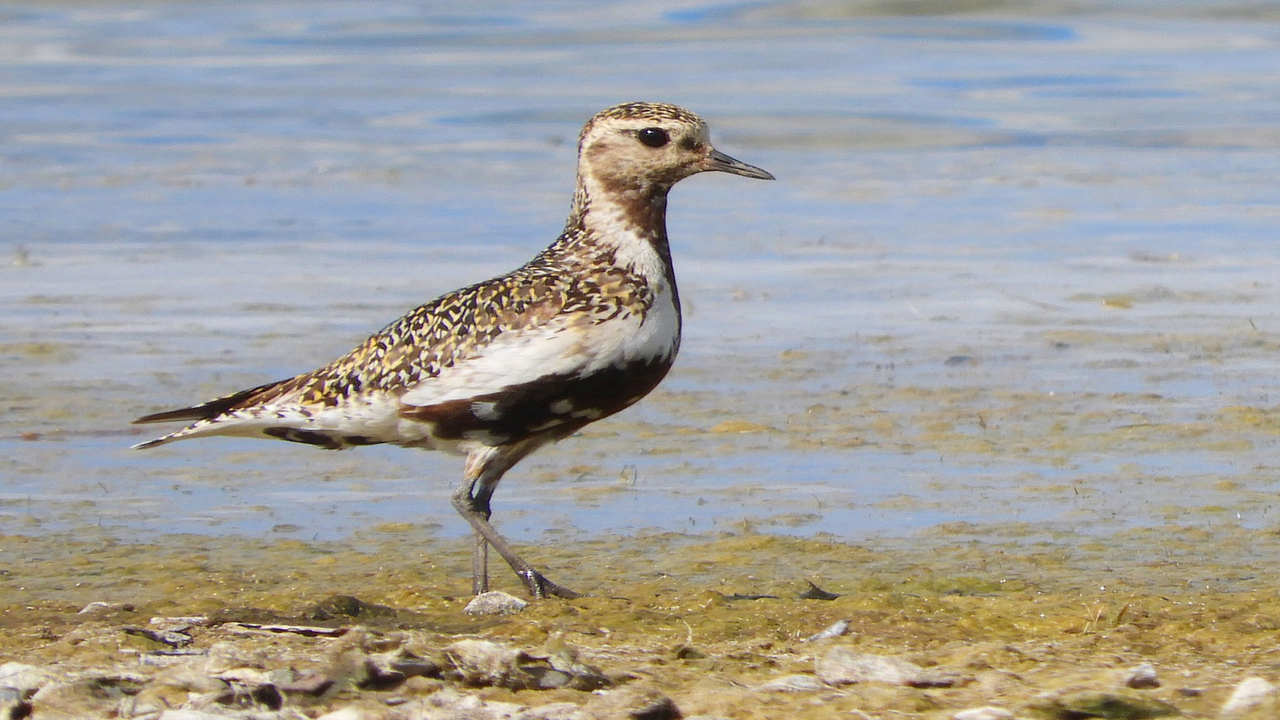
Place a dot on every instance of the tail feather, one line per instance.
(207, 410)
(201, 415)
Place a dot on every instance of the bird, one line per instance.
(496, 370)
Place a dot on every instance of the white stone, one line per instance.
(495, 603)
(793, 683)
(1249, 694)
(186, 714)
(834, 630)
(843, 666)
(1142, 677)
(23, 677)
(986, 712)
(350, 712)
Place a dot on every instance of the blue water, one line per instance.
(203, 197)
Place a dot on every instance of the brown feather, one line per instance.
(210, 409)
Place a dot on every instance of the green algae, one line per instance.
(707, 619)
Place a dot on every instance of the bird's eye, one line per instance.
(654, 137)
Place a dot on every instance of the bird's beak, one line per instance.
(719, 162)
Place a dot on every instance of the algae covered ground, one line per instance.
(709, 622)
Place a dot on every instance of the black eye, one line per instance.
(654, 137)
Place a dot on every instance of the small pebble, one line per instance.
(1142, 677)
(987, 712)
(834, 630)
(689, 652)
(98, 607)
(495, 603)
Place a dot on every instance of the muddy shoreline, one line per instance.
(716, 624)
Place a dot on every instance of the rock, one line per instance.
(495, 603)
(987, 712)
(843, 666)
(387, 670)
(190, 677)
(939, 677)
(188, 714)
(483, 663)
(180, 623)
(161, 695)
(449, 704)
(632, 703)
(24, 678)
(350, 712)
(244, 676)
(170, 638)
(564, 658)
(793, 683)
(171, 657)
(359, 712)
(551, 711)
(77, 699)
(105, 608)
(1252, 697)
(1142, 677)
(834, 630)
(1098, 704)
(13, 704)
(225, 656)
(310, 687)
(346, 606)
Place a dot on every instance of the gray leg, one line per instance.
(483, 472)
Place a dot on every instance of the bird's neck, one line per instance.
(624, 227)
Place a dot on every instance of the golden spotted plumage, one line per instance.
(498, 369)
(446, 331)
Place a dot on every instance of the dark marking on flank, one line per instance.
(522, 411)
(328, 441)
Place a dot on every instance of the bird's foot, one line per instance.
(541, 588)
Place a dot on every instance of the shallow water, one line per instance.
(1017, 276)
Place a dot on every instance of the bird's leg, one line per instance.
(479, 565)
(480, 548)
(471, 500)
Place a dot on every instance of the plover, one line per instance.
(496, 370)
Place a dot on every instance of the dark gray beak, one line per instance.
(719, 162)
